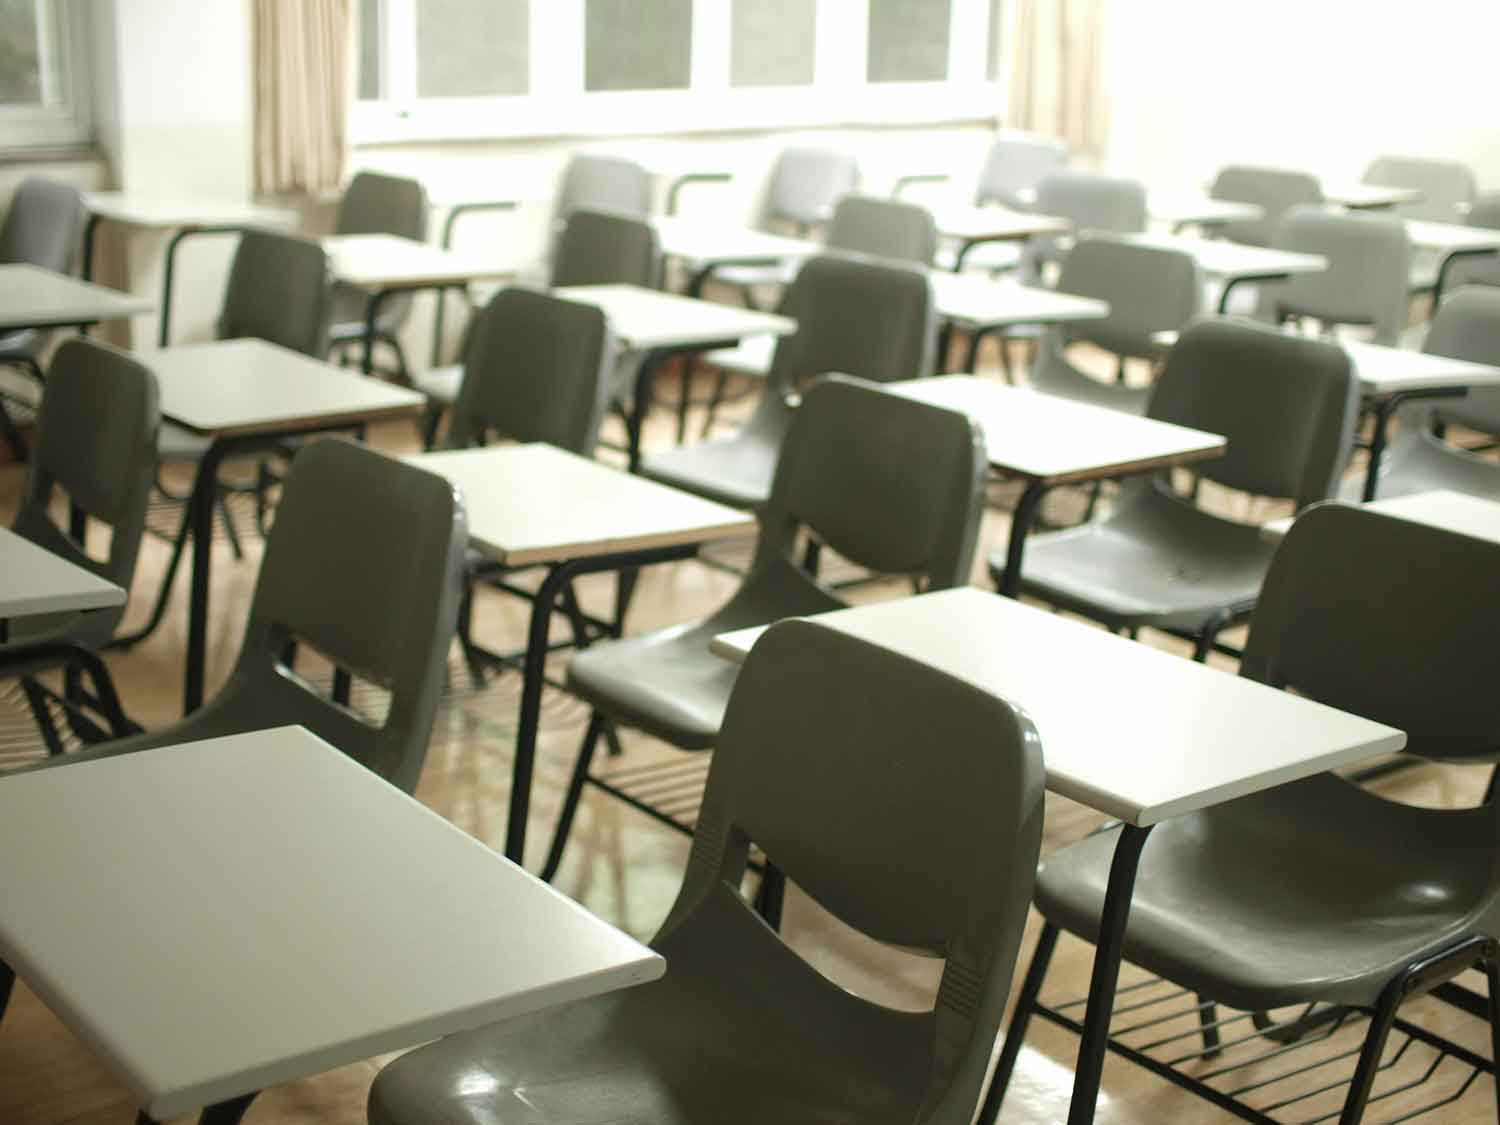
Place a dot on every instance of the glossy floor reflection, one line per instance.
(620, 864)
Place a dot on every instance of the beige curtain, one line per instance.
(303, 87)
(1057, 81)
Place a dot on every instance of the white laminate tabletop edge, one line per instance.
(53, 583)
(1458, 512)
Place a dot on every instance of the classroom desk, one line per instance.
(185, 217)
(536, 505)
(974, 226)
(1391, 377)
(384, 264)
(703, 246)
(32, 297)
(247, 394)
(1369, 197)
(982, 305)
(1187, 209)
(206, 950)
(651, 326)
(1160, 736)
(1232, 263)
(1450, 242)
(1452, 511)
(1045, 441)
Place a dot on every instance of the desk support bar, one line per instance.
(456, 212)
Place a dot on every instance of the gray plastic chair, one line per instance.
(1485, 212)
(593, 248)
(1092, 203)
(800, 193)
(932, 851)
(1447, 186)
(330, 581)
(1366, 282)
(1149, 290)
(374, 203)
(862, 318)
(595, 182)
(1321, 890)
(892, 484)
(42, 228)
(1274, 190)
(96, 442)
(1013, 168)
(1467, 326)
(1287, 407)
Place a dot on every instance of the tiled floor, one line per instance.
(620, 864)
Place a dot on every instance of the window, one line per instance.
(42, 97)
(459, 69)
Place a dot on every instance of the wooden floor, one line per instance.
(620, 864)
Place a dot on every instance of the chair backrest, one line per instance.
(892, 484)
(1446, 185)
(1285, 403)
(872, 320)
(906, 802)
(1467, 326)
(334, 578)
(281, 290)
(883, 228)
(606, 248)
(96, 440)
(597, 182)
(375, 203)
(805, 183)
(1274, 190)
(1093, 202)
(536, 369)
(1387, 618)
(1485, 270)
(1368, 279)
(1014, 166)
(43, 226)
(1149, 289)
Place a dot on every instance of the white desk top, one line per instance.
(1448, 237)
(699, 243)
(996, 224)
(648, 318)
(205, 949)
(1159, 736)
(974, 300)
(1200, 210)
(37, 581)
(536, 503)
(31, 297)
(1453, 511)
(165, 212)
(1230, 261)
(1364, 196)
(387, 261)
(1045, 437)
(1384, 371)
(249, 386)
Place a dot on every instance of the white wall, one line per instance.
(1323, 85)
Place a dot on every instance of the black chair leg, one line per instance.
(36, 697)
(1363, 1081)
(1492, 974)
(1208, 1019)
(12, 435)
(159, 610)
(1204, 644)
(1489, 790)
(229, 529)
(812, 556)
(7, 984)
(624, 590)
(466, 633)
(227, 1113)
(432, 418)
(771, 895)
(402, 371)
(597, 726)
(721, 380)
(1046, 945)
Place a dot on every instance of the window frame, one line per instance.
(68, 121)
(557, 104)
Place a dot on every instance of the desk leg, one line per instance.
(372, 313)
(1106, 975)
(1384, 411)
(1225, 292)
(1024, 516)
(201, 523)
(534, 671)
(963, 252)
(640, 405)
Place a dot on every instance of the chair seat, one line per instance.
(440, 384)
(736, 471)
(751, 358)
(665, 682)
(699, 1045)
(1313, 891)
(178, 443)
(1420, 462)
(1096, 392)
(349, 305)
(745, 277)
(1155, 560)
(19, 346)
